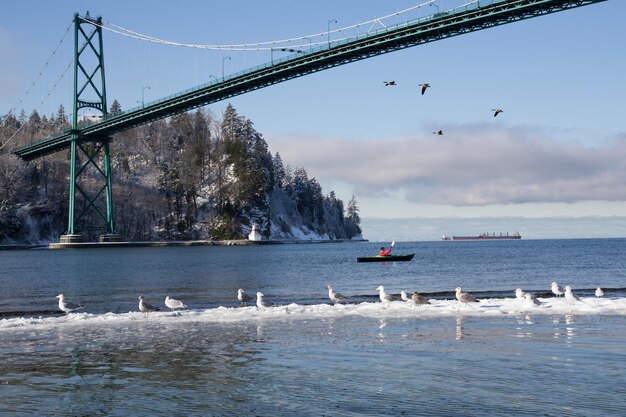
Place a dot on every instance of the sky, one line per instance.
(556, 152)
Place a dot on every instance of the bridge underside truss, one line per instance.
(439, 26)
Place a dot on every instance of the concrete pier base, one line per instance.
(111, 237)
(71, 239)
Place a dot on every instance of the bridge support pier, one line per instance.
(74, 238)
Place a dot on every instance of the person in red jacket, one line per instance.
(384, 252)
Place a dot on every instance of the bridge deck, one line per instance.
(476, 16)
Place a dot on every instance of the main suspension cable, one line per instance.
(260, 46)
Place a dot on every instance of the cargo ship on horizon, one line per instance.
(485, 236)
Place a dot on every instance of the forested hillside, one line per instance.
(192, 176)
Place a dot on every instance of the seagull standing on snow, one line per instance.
(519, 294)
(173, 304)
(404, 296)
(557, 290)
(424, 87)
(335, 297)
(242, 297)
(260, 302)
(599, 292)
(530, 301)
(384, 297)
(146, 307)
(570, 296)
(419, 299)
(464, 297)
(66, 306)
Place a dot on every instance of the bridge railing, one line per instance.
(439, 16)
(370, 34)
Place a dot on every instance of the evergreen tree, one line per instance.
(352, 211)
(280, 175)
(115, 109)
(353, 220)
(61, 119)
(34, 123)
(23, 118)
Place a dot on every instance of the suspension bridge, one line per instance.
(92, 140)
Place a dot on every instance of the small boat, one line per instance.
(387, 258)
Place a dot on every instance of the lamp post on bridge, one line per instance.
(143, 89)
(224, 59)
(284, 50)
(328, 29)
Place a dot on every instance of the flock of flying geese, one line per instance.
(463, 297)
(425, 86)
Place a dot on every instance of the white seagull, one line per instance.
(335, 297)
(570, 296)
(404, 296)
(599, 292)
(242, 297)
(557, 290)
(530, 301)
(464, 297)
(419, 299)
(173, 304)
(146, 307)
(520, 294)
(260, 303)
(383, 295)
(66, 306)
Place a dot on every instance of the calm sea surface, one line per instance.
(306, 357)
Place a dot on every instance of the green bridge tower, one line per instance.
(90, 195)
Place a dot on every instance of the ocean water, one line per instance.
(304, 356)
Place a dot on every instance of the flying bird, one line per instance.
(66, 306)
(388, 83)
(424, 87)
(146, 307)
(173, 304)
(439, 132)
(335, 297)
(496, 112)
(243, 297)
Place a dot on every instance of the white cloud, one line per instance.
(471, 165)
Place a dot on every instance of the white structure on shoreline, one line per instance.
(254, 234)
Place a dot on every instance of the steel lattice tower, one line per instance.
(90, 162)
